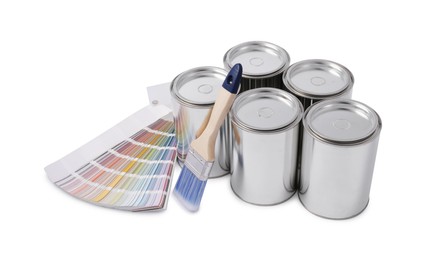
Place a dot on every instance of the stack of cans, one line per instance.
(291, 128)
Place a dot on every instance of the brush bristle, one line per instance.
(189, 189)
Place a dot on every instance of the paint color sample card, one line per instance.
(129, 169)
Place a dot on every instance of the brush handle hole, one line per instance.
(230, 79)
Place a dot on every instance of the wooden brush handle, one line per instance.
(204, 124)
(205, 144)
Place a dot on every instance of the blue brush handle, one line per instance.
(233, 80)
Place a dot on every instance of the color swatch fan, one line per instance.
(129, 167)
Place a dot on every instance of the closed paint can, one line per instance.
(340, 143)
(265, 127)
(315, 80)
(263, 63)
(193, 96)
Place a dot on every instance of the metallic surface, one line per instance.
(197, 165)
(339, 150)
(265, 127)
(193, 96)
(263, 64)
(344, 122)
(315, 80)
(198, 86)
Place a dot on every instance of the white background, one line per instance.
(70, 70)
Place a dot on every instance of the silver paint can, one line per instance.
(315, 80)
(263, 63)
(265, 127)
(193, 95)
(340, 143)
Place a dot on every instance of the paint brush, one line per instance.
(192, 181)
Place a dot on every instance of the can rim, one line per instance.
(327, 103)
(232, 52)
(274, 92)
(179, 78)
(286, 78)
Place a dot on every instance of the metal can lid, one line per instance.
(342, 121)
(259, 59)
(198, 86)
(318, 79)
(266, 109)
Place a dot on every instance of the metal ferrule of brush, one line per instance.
(197, 165)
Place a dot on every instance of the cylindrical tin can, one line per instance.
(263, 63)
(265, 127)
(339, 150)
(315, 80)
(194, 93)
